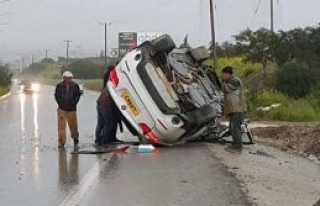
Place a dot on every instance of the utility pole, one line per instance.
(271, 16)
(106, 24)
(46, 51)
(213, 36)
(67, 53)
(3, 1)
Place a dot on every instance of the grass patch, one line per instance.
(3, 90)
(52, 71)
(93, 84)
(292, 110)
(51, 82)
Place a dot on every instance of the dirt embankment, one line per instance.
(303, 138)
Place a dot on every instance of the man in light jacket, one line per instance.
(234, 107)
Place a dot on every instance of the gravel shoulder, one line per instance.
(272, 177)
(301, 138)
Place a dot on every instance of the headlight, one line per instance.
(35, 87)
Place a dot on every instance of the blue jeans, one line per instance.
(107, 125)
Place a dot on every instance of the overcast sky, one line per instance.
(34, 25)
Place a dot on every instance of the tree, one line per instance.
(296, 79)
(258, 46)
(47, 61)
(227, 49)
(301, 44)
(61, 59)
(5, 76)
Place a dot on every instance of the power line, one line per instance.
(256, 11)
(280, 15)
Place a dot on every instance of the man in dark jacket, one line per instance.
(234, 107)
(109, 116)
(107, 120)
(67, 95)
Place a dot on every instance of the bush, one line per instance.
(314, 98)
(296, 80)
(241, 68)
(5, 76)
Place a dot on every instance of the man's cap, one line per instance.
(67, 74)
(228, 70)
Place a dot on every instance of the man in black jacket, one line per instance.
(67, 95)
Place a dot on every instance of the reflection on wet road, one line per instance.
(35, 172)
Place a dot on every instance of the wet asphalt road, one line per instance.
(34, 172)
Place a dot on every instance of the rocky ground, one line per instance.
(282, 168)
(271, 177)
(302, 138)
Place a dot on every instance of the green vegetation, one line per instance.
(5, 79)
(52, 71)
(5, 76)
(93, 84)
(301, 110)
(3, 90)
(242, 68)
(297, 80)
(84, 69)
(287, 71)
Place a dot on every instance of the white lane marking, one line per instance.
(75, 197)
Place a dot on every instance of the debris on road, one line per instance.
(102, 150)
(261, 153)
(146, 148)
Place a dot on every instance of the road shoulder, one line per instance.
(272, 177)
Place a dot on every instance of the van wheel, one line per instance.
(163, 43)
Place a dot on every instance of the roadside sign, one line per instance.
(127, 42)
